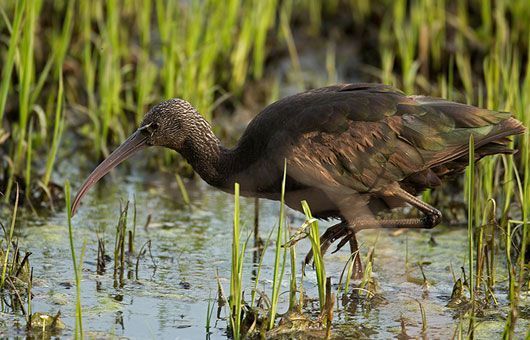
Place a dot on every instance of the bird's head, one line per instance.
(166, 124)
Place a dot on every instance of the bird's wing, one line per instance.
(366, 136)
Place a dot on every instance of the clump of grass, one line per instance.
(347, 274)
(119, 69)
(25, 71)
(366, 286)
(17, 274)
(119, 247)
(294, 319)
(9, 61)
(9, 239)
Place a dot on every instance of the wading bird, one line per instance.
(352, 151)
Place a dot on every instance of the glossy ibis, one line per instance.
(352, 151)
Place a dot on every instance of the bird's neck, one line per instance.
(203, 150)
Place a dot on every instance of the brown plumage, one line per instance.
(352, 151)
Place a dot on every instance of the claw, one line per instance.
(308, 257)
(333, 233)
(343, 242)
(330, 235)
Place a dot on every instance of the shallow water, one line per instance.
(189, 245)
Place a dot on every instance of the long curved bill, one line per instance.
(134, 143)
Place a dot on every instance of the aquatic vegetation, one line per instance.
(78, 269)
(236, 275)
(314, 237)
(43, 325)
(470, 179)
(8, 240)
(279, 263)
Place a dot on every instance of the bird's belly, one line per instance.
(319, 203)
(346, 204)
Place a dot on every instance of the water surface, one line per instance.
(190, 245)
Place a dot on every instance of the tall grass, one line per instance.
(314, 237)
(57, 132)
(10, 57)
(279, 263)
(78, 334)
(236, 276)
(26, 72)
(260, 266)
(130, 54)
(470, 180)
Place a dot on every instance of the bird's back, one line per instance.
(359, 138)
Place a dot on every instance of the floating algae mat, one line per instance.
(167, 290)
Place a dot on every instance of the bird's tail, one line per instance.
(494, 143)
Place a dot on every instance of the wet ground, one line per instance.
(191, 244)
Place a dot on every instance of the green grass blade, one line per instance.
(277, 277)
(470, 181)
(236, 272)
(314, 236)
(57, 133)
(9, 61)
(77, 272)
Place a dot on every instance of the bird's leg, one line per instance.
(431, 218)
(357, 272)
(346, 231)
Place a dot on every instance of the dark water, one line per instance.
(189, 245)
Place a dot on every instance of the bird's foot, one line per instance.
(349, 235)
(346, 233)
(357, 270)
(332, 234)
(432, 219)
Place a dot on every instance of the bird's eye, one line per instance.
(155, 126)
